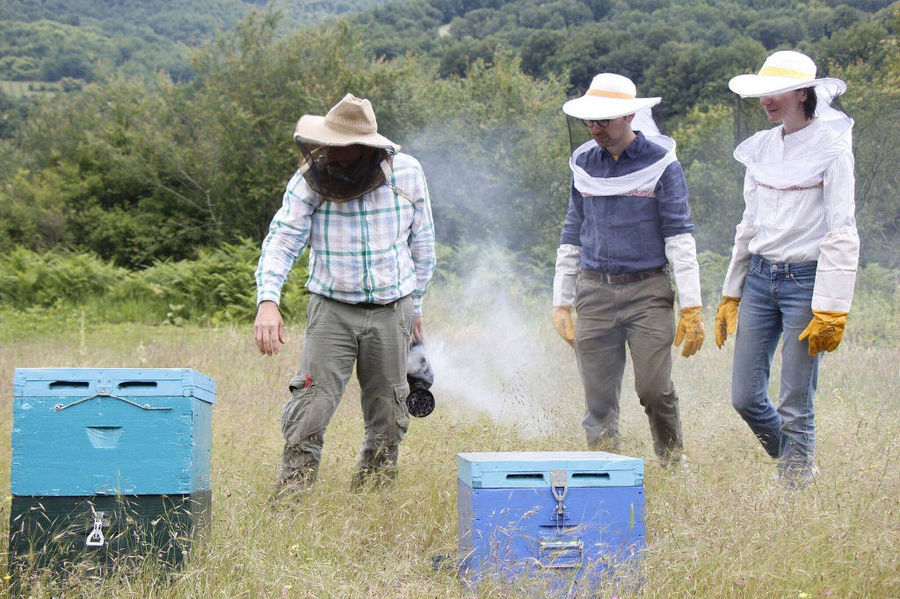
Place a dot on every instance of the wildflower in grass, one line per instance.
(741, 581)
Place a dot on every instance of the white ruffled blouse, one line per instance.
(799, 195)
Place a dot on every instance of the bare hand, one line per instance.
(418, 330)
(269, 328)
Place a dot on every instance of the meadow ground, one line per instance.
(505, 382)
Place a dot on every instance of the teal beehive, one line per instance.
(111, 431)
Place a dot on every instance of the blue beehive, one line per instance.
(568, 518)
(116, 431)
(109, 467)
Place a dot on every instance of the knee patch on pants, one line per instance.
(305, 416)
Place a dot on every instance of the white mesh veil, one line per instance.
(833, 138)
(643, 179)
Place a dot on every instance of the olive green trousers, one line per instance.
(338, 336)
(638, 315)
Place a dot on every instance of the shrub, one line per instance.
(43, 279)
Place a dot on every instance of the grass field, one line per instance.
(505, 382)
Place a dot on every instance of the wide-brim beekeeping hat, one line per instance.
(609, 96)
(350, 121)
(784, 71)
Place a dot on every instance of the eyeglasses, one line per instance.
(593, 123)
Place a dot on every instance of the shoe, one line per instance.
(797, 479)
(678, 462)
(292, 483)
(287, 492)
(378, 478)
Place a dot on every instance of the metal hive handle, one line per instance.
(59, 407)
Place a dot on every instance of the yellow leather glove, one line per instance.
(563, 323)
(690, 330)
(726, 318)
(824, 331)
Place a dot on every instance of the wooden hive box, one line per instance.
(108, 466)
(570, 520)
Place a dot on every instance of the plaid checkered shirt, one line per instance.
(377, 248)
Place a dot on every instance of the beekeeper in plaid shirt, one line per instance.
(364, 211)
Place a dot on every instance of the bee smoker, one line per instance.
(419, 375)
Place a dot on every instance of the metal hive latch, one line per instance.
(559, 487)
(95, 538)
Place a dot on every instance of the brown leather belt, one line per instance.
(374, 306)
(625, 277)
(365, 305)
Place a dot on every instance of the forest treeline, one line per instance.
(82, 40)
(145, 168)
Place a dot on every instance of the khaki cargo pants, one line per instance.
(640, 315)
(339, 335)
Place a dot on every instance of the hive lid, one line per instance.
(126, 382)
(520, 469)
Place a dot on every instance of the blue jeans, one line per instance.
(777, 299)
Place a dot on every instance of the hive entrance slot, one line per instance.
(69, 384)
(524, 476)
(137, 384)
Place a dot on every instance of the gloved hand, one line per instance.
(726, 318)
(563, 323)
(690, 330)
(824, 331)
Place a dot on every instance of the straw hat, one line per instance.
(784, 71)
(350, 121)
(609, 96)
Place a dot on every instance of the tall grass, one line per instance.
(723, 530)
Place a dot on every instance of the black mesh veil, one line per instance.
(337, 182)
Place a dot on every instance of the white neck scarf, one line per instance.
(644, 179)
(832, 136)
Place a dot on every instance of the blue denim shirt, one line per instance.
(620, 234)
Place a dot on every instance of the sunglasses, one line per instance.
(593, 123)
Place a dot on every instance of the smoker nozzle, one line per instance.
(419, 376)
(420, 400)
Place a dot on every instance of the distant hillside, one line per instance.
(50, 40)
(679, 49)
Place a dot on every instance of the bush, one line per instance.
(44, 279)
(215, 288)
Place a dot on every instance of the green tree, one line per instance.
(874, 103)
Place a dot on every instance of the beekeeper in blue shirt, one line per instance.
(626, 231)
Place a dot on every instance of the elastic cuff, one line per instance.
(268, 296)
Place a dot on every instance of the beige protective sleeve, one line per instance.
(568, 261)
(681, 252)
(836, 271)
(839, 249)
(740, 260)
(744, 233)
